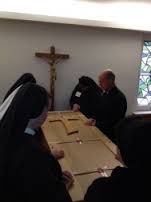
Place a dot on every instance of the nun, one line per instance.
(28, 78)
(27, 171)
(131, 182)
(85, 96)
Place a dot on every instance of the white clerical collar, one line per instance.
(30, 131)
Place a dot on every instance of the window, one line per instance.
(144, 89)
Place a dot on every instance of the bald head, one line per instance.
(107, 80)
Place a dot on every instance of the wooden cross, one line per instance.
(52, 58)
(69, 129)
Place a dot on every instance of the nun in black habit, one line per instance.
(24, 79)
(132, 182)
(27, 171)
(85, 97)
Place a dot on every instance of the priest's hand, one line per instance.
(91, 122)
(68, 179)
(58, 154)
(76, 108)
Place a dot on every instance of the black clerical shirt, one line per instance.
(111, 109)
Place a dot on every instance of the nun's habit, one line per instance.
(27, 172)
(130, 183)
(25, 78)
(87, 95)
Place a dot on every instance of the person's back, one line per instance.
(124, 185)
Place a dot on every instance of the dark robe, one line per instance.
(124, 185)
(34, 175)
(110, 110)
(87, 100)
(25, 78)
(28, 171)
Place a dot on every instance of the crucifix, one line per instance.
(52, 58)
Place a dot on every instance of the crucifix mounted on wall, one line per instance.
(52, 58)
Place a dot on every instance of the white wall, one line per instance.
(91, 51)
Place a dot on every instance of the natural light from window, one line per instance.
(144, 89)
